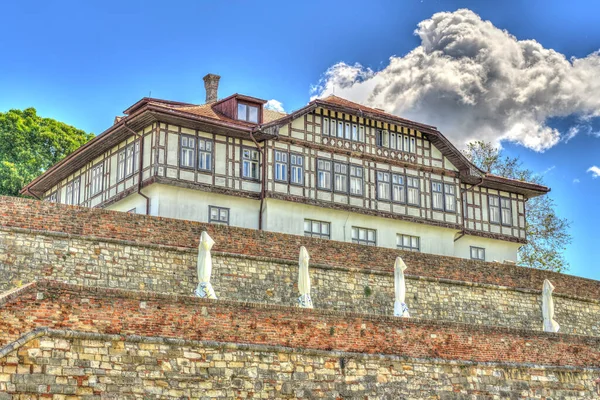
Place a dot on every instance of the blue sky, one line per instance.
(85, 62)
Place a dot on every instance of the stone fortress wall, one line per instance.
(126, 303)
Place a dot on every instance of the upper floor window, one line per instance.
(250, 164)
(343, 129)
(396, 141)
(383, 185)
(412, 185)
(340, 177)
(97, 179)
(296, 169)
(398, 188)
(218, 215)
(356, 180)
(188, 151)
(72, 192)
(477, 253)
(500, 210)
(281, 166)
(128, 161)
(324, 174)
(318, 229)
(246, 112)
(52, 197)
(364, 236)
(407, 242)
(443, 196)
(205, 154)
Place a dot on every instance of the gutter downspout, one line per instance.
(464, 200)
(263, 188)
(27, 190)
(141, 163)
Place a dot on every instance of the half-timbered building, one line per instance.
(334, 169)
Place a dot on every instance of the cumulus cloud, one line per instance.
(274, 105)
(475, 81)
(595, 171)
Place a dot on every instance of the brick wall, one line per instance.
(27, 256)
(79, 365)
(114, 311)
(44, 216)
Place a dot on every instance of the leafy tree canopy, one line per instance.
(30, 144)
(547, 234)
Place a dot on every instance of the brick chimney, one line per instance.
(211, 84)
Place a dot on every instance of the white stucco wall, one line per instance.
(495, 250)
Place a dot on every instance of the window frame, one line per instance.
(101, 178)
(362, 180)
(365, 242)
(443, 193)
(477, 248)
(70, 199)
(218, 220)
(210, 153)
(50, 196)
(401, 185)
(319, 235)
(418, 188)
(330, 171)
(351, 131)
(242, 160)
(291, 166)
(400, 237)
(286, 164)
(346, 175)
(388, 184)
(500, 219)
(194, 151)
(248, 106)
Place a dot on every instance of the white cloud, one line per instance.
(576, 180)
(475, 81)
(274, 105)
(595, 171)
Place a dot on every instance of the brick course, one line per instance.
(44, 216)
(114, 311)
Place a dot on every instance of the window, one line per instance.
(413, 146)
(437, 196)
(281, 166)
(407, 242)
(247, 112)
(382, 138)
(364, 236)
(96, 184)
(128, 161)
(398, 189)
(250, 164)
(477, 253)
(52, 197)
(188, 151)
(340, 177)
(383, 185)
(506, 211)
(72, 195)
(450, 197)
(218, 215)
(297, 169)
(406, 143)
(324, 174)
(356, 180)
(318, 229)
(342, 129)
(412, 185)
(500, 210)
(205, 154)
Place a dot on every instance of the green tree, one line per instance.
(547, 234)
(30, 144)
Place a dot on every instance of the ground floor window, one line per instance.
(364, 236)
(477, 253)
(218, 215)
(318, 229)
(407, 242)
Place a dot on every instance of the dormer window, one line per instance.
(246, 112)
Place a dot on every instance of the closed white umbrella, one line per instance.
(304, 300)
(550, 325)
(400, 307)
(205, 289)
